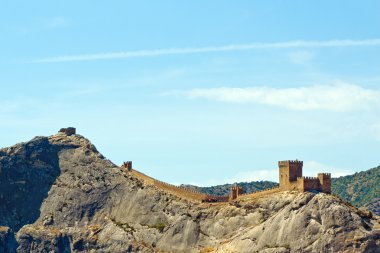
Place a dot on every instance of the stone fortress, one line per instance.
(290, 179)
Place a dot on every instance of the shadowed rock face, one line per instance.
(74, 200)
(27, 172)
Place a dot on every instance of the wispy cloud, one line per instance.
(55, 22)
(337, 97)
(300, 57)
(237, 47)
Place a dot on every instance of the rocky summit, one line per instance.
(59, 194)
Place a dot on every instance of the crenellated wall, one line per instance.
(177, 190)
(259, 193)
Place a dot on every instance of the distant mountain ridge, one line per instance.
(362, 189)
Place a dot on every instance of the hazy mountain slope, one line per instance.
(361, 189)
(59, 194)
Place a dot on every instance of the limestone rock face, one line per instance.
(59, 194)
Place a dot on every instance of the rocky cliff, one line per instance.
(59, 194)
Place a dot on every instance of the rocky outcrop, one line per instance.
(61, 195)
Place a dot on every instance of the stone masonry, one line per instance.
(290, 178)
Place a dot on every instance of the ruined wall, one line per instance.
(68, 131)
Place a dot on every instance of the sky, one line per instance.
(199, 92)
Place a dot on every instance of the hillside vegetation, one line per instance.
(361, 189)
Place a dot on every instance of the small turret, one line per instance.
(325, 182)
(128, 165)
(235, 192)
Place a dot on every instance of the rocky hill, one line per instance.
(59, 194)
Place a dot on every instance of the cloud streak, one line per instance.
(337, 97)
(238, 47)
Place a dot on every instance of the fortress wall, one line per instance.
(180, 191)
(147, 179)
(308, 183)
(311, 183)
(173, 189)
(259, 193)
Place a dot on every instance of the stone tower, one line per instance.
(288, 173)
(235, 192)
(128, 165)
(325, 182)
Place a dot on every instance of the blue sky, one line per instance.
(203, 92)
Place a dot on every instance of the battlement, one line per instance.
(288, 162)
(307, 178)
(325, 175)
(68, 131)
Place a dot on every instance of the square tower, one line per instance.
(128, 165)
(288, 173)
(235, 192)
(325, 182)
